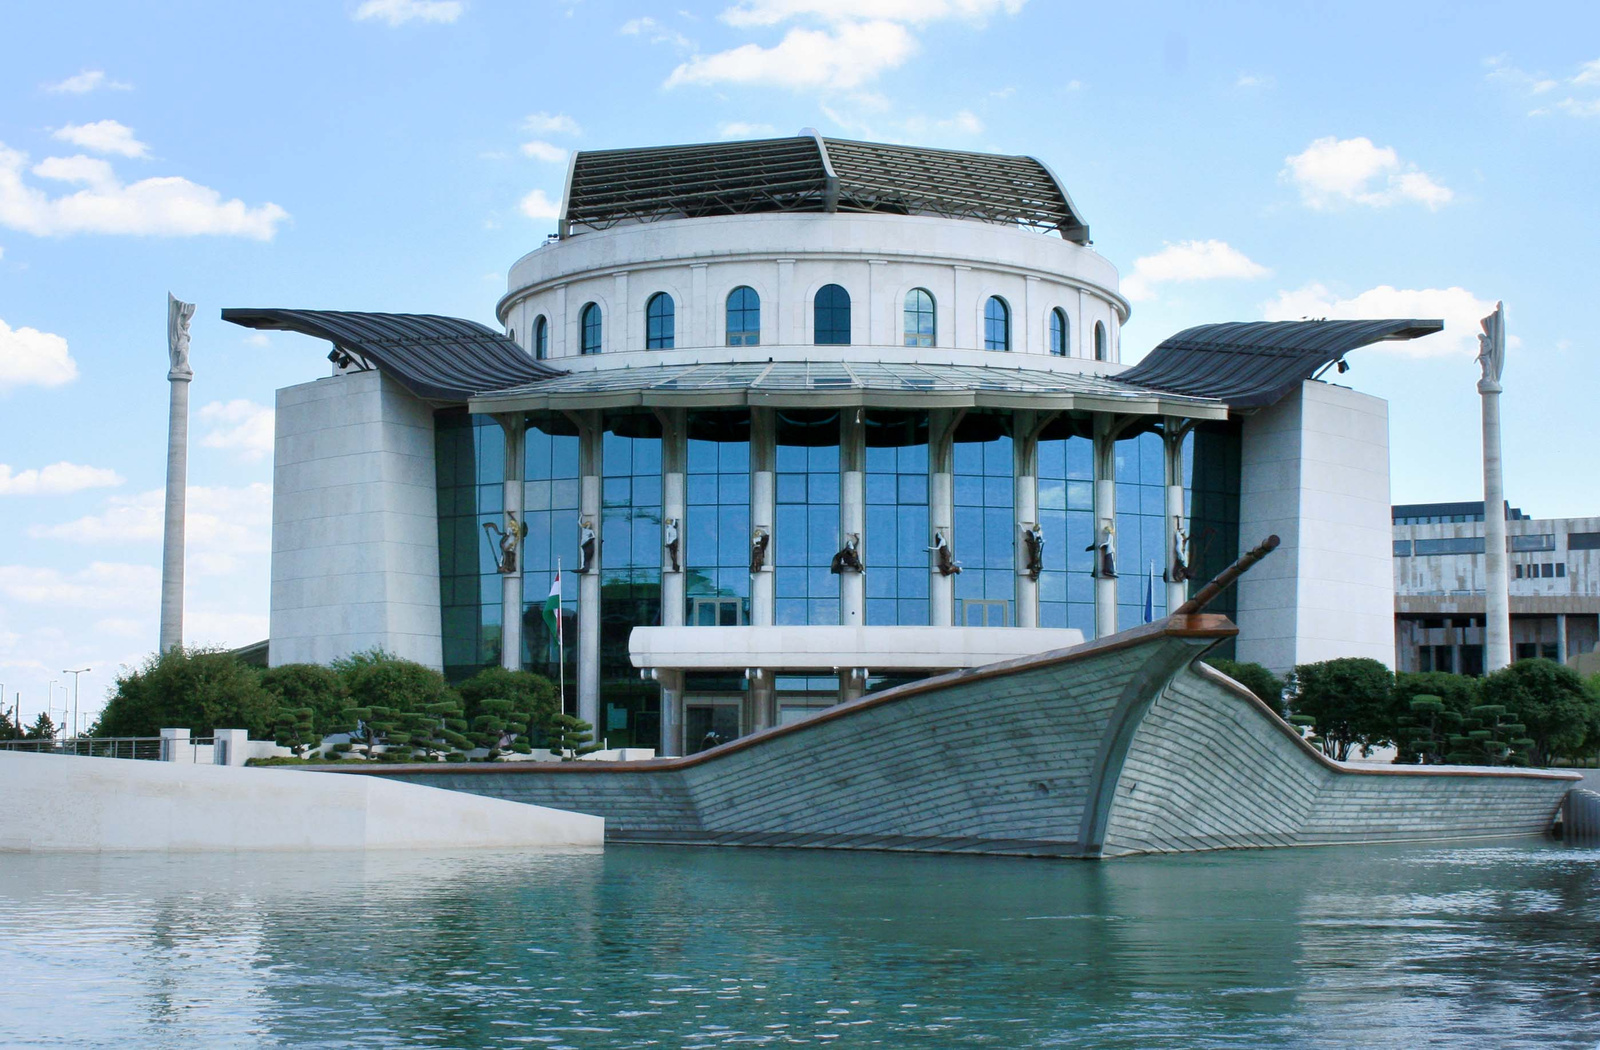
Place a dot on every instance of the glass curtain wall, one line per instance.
(469, 466)
(807, 526)
(717, 526)
(550, 505)
(630, 582)
(1141, 528)
(1211, 477)
(1066, 516)
(985, 483)
(897, 533)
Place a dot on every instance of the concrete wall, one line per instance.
(1315, 470)
(66, 803)
(355, 530)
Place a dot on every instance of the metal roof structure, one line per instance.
(436, 358)
(796, 384)
(809, 173)
(1252, 364)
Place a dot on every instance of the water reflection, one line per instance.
(708, 948)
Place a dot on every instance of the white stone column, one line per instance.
(671, 680)
(788, 313)
(701, 328)
(1173, 432)
(589, 582)
(1105, 511)
(560, 338)
(1024, 325)
(624, 334)
(760, 697)
(514, 426)
(852, 683)
(941, 513)
(763, 510)
(961, 330)
(852, 513)
(179, 375)
(673, 459)
(878, 312)
(1497, 582)
(1025, 447)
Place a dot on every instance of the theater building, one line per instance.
(801, 418)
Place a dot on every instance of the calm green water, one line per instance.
(659, 947)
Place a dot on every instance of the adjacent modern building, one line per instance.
(801, 418)
(1439, 586)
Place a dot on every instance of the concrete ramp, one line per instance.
(66, 803)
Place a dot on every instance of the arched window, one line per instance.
(1099, 341)
(589, 323)
(919, 322)
(744, 317)
(1059, 330)
(996, 324)
(541, 339)
(660, 322)
(831, 316)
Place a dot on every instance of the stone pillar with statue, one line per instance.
(179, 375)
(1497, 594)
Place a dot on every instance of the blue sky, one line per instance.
(1236, 161)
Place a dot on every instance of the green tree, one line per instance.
(1551, 701)
(571, 737)
(201, 690)
(297, 687)
(1490, 736)
(1254, 677)
(1348, 701)
(528, 692)
(500, 726)
(442, 728)
(295, 729)
(1422, 735)
(9, 730)
(42, 729)
(374, 726)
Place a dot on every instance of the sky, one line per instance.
(1235, 160)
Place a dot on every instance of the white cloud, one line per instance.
(658, 33)
(1588, 73)
(399, 12)
(219, 520)
(113, 586)
(1459, 308)
(103, 136)
(85, 82)
(538, 206)
(964, 122)
(166, 206)
(1580, 107)
(551, 124)
(29, 356)
(739, 129)
(240, 425)
(1189, 261)
(846, 56)
(257, 339)
(1333, 171)
(55, 480)
(540, 150)
(916, 12)
(1255, 80)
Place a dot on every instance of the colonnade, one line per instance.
(1029, 424)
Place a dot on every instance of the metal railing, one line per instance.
(140, 747)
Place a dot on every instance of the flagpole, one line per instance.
(561, 631)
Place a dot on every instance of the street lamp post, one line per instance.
(75, 674)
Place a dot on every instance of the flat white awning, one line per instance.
(834, 648)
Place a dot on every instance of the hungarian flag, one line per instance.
(552, 607)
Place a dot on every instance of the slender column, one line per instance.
(763, 509)
(1105, 513)
(179, 375)
(878, 313)
(673, 455)
(852, 683)
(941, 512)
(560, 339)
(589, 582)
(1025, 447)
(514, 426)
(852, 513)
(1024, 325)
(961, 335)
(1561, 638)
(623, 335)
(701, 328)
(788, 315)
(1173, 431)
(1497, 594)
(759, 697)
(671, 680)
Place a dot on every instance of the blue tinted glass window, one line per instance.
(919, 319)
(660, 322)
(541, 339)
(589, 322)
(744, 317)
(630, 582)
(898, 535)
(1099, 341)
(550, 510)
(1066, 517)
(831, 318)
(1059, 331)
(716, 534)
(806, 533)
(984, 511)
(996, 324)
(1141, 528)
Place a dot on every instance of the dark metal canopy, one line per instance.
(810, 173)
(1251, 364)
(436, 358)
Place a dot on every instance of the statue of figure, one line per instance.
(669, 528)
(1492, 348)
(759, 540)
(849, 557)
(1033, 542)
(507, 541)
(1180, 570)
(1106, 563)
(178, 315)
(948, 566)
(587, 542)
